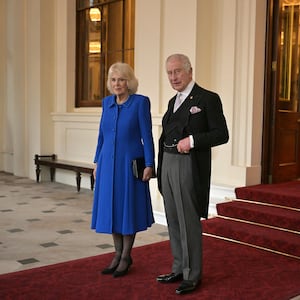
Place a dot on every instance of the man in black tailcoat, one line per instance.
(193, 123)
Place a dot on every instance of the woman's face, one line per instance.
(119, 85)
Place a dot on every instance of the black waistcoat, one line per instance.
(175, 127)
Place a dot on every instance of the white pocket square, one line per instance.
(195, 109)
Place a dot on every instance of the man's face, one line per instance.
(178, 76)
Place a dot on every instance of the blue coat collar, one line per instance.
(113, 102)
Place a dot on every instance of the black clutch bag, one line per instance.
(138, 166)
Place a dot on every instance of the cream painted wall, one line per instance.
(223, 38)
(33, 82)
(232, 64)
(14, 152)
(2, 81)
(47, 71)
(28, 85)
(225, 42)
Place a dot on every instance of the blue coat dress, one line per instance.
(122, 203)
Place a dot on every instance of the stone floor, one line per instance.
(46, 223)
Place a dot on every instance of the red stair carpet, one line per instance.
(287, 193)
(266, 216)
(271, 239)
(282, 217)
(251, 251)
(231, 271)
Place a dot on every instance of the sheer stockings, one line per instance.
(126, 261)
(118, 243)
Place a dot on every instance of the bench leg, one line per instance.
(52, 173)
(37, 172)
(92, 182)
(78, 180)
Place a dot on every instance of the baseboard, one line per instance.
(160, 218)
(218, 194)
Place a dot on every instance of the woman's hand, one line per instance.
(94, 172)
(147, 173)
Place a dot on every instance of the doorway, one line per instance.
(281, 137)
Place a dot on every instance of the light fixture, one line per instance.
(95, 14)
(94, 47)
(291, 2)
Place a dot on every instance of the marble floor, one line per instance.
(48, 222)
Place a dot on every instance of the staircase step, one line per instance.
(263, 214)
(272, 239)
(286, 194)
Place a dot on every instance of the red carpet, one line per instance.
(262, 214)
(262, 223)
(266, 216)
(231, 271)
(287, 193)
(275, 240)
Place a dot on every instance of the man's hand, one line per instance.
(184, 145)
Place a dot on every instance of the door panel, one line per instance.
(287, 157)
(281, 152)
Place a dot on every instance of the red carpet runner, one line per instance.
(266, 216)
(287, 193)
(263, 216)
(231, 271)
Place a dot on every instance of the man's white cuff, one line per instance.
(191, 141)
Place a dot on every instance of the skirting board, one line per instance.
(218, 194)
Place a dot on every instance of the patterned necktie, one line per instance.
(178, 101)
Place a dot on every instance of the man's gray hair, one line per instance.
(183, 58)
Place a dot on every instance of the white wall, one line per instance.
(225, 42)
(28, 83)
(2, 82)
(223, 38)
(14, 136)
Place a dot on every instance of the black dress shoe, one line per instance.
(186, 286)
(107, 271)
(169, 278)
(111, 270)
(125, 271)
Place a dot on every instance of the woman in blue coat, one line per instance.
(122, 203)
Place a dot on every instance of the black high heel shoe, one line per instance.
(125, 271)
(108, 271)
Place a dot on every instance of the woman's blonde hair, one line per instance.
(125, 71)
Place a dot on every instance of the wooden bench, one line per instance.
(53, 163)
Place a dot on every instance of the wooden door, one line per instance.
(287, 155)
(282, 115)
